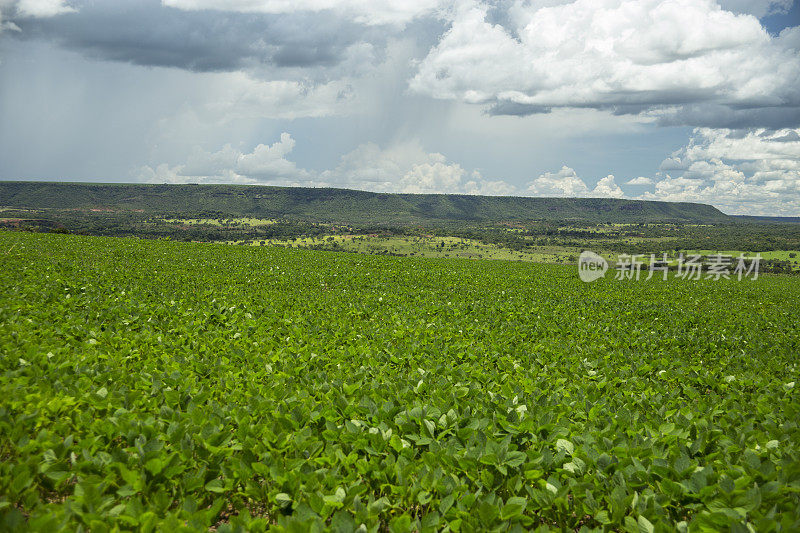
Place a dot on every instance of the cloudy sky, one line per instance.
(682, 100)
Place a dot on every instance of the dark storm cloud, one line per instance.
(738, 134)
(720, 116)
(504, 107)
(516, 109)
(146, 33)
(695, 115)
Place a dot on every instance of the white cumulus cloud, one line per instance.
(566, 183)
(403, 167)
(407, 167)
(753, 172)
(648, 57)
(35, 8)
(607, 188)
(265, 164)
(30, 9)
(740, 172)
(43, 8)
(563, 182)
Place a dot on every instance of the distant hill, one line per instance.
(342, 206)
(767, 220)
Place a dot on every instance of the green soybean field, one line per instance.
(164, 386)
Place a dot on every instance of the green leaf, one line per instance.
(283, 499)
(513, 508)
(644, 525)
(431, 427)
(565, 446)
(400, 524)
(21, 481)
(377, 507)
(215, 485)
(446, 503)
(487, 512)
(602, 517)
(154, 465)
(515, 459)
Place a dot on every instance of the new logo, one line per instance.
(591, 266)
